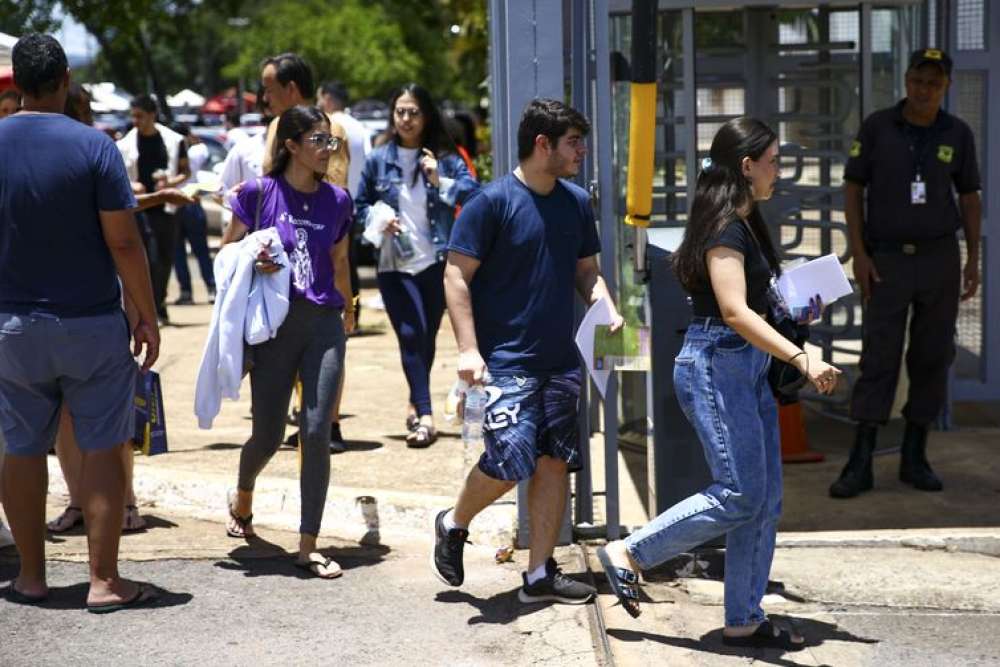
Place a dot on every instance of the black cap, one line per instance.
(931, 57)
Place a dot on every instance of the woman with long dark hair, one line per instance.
(409, 189)
(726, 263)
(312, 218)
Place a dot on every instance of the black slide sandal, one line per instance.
(624, 583)
(766, 636)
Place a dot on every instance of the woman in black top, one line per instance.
(726, 262)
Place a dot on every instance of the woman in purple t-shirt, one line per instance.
(312, 218)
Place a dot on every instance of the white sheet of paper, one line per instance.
(599, 313)
(824, 276)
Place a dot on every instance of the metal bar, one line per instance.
(526, 62)
(609, 224)
(867, 103)
(611, 504)
(690, 103)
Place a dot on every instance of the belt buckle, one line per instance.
(909, 249)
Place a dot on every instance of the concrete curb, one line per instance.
(983, 541)
(402, 515)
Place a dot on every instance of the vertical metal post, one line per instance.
(867, 63)
(526, 44)
(690, 107)
(581, 66)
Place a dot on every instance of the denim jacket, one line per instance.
(382, 179)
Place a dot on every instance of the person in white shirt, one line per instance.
(332, 98)
(234, 133)
(193, 226)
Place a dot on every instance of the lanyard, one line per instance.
(914, 137)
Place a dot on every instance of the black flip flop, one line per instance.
(143, 594)
(624, 583)
(764, 637)
(17, 597)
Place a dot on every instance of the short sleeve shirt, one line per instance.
(889, 154)
(309, 225)
(523, 292)
(56, 175)
(737, 236)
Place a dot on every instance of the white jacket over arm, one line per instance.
(249, 306)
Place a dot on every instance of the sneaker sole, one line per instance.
(434, 567)
(529, 599)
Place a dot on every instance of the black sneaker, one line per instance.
(184, 299)
(555, 587)
(446, 558)
(337, 444)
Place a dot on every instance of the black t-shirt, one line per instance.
(886, 157)
(153, 157)
(737, 235)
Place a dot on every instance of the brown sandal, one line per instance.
(132, 521)
(421, 437)
(70, 518)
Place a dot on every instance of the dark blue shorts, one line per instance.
(528, 416)
(83, 363)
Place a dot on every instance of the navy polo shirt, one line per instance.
(885, 158)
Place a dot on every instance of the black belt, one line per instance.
(911, 247)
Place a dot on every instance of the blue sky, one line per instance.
(75, 39)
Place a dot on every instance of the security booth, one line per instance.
(812, 71)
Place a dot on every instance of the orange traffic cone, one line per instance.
(794, 443)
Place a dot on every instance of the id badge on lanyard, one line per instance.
(918, 191)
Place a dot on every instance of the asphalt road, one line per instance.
(385, 610)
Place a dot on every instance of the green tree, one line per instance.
(22, 16)
(355, 42)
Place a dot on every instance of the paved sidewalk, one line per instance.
(894, 577)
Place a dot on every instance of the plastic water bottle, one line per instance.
(475, 408)
(453, 402)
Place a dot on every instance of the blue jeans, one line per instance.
(193, 227)
(721, 384)
(415, 304)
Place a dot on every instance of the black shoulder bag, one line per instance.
(785, 379)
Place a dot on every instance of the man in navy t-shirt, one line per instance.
(66, 227)
(520, 249)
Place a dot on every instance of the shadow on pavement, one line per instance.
(260, 558)
(815, 633)
(75, 596)
(499, 609)
(153, 522)
(220, 446)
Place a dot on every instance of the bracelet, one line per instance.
(799, 354)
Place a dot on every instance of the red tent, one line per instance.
(6, 78)
(226, 101)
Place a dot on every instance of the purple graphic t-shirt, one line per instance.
(309, 225)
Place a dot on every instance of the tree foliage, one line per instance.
(355, 42)
(21, 16)
(371, 45)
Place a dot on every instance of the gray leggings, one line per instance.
(310, 342)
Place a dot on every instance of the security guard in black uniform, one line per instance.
(910, 160)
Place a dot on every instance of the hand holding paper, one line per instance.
(823, 276)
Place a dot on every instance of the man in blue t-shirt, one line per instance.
(518, 251)
(66, 227)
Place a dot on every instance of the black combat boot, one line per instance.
(913, 466)
(857, 474)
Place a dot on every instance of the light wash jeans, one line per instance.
(721, 384)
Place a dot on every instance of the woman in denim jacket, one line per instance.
(726, 263)
(409, 189)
